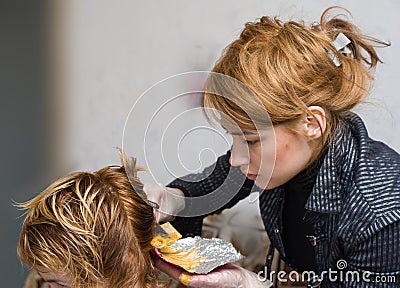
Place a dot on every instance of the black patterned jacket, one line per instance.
(354, 207)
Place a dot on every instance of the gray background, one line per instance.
(71, 71)
(24, 121)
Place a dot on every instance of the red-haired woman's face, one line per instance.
(269, 157)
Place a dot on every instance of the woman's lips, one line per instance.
(251, 176)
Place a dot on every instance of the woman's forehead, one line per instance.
(51, 276)
(230, 125)
(234, 128)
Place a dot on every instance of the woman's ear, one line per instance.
(315, 122)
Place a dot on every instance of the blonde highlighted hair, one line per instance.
(93, 227)
(288, 67)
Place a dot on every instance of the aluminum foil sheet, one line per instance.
(217, 252)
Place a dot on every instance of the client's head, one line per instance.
(91, 229)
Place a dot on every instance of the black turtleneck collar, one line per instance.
(300, 254)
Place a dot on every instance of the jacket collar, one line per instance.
(337, 166)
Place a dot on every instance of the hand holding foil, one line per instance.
(210, 261)
(193, 254)
(226, 276)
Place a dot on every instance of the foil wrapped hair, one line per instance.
(340, 43)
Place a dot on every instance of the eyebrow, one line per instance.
(240, 133)
(53, 281)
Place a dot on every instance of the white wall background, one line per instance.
(115, 50)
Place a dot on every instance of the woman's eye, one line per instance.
(250, 142)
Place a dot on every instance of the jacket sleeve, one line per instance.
(217, 187)
(376, 261)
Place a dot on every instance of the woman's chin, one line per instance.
(266, 184)
(262, 184)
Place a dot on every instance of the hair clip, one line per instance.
(152, 204)
(114, 166)
(340, 44)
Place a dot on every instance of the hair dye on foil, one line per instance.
(208, 253)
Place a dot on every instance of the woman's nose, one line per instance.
(239, 155)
